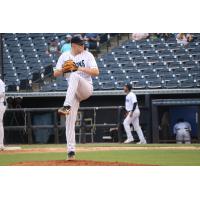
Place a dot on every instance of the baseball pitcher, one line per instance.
(78, 66)
(132, 117)
(2, 111)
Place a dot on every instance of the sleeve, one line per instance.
(91, 61)
(134, 98)
(60, 61)
(2, 89)
(62, 49)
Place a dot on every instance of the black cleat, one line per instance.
(71, 155)
(64, 110)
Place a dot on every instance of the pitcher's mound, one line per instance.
(74, 163)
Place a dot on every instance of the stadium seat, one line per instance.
(150, 63)
(140, 84)
(108, 85)
(171, 84)
(187, 83)
(155, 84)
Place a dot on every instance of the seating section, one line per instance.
(26, 61)
(147, 64)
(151, 64)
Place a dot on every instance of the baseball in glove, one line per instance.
(69, 66)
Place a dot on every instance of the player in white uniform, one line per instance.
(182, 130)
(80, 86)
(2, 111)
(132, 117)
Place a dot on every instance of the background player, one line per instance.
(2, 111)
(80, 86)
(182, 130)
(132, 117)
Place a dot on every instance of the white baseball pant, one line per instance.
(2, 111)
(134, 120)
(183, 136)
(79, 89)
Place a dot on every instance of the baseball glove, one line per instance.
(69, 66)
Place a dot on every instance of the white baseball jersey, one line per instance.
(2, 111)
(79, 88)
(182, 127)
(2, 91)
(134, 119)
(130, 100)
(84, 59)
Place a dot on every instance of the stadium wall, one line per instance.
(147, 118)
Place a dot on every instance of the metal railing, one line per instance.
(28, 127)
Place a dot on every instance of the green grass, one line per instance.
(8, 159)
(155, 157)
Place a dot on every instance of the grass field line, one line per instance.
(91, 149)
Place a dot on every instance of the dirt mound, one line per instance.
(74, 163)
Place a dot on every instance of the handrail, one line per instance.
(28, 127)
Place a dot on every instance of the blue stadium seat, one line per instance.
(140, 84)
(187, 83)
(149, 63)
(171, 84)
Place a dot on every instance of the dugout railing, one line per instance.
(27, 127)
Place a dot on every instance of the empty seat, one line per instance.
(184, 58)
(152, 77)
(169, 58)
(140, 84)
(195, 51)
(158, 66)
(108, 85)
(128, 66)
(198, 82)
(156, 84)
(174, 65)
(120, 77)
(164, 52)
(147, 72)
(106, 77)
(179, 71)
(189, 64)
(153, 59)
(139, 60)
(96, 86)
(120, 85)
(134, 78)
(171, 84)
(183, 76)
(187, 83)
(160, 46)
(46, 88)
(151, 53)
(125, 59)
(196, 57)
(178, 52)
(194, 70)
(145, 47)
(134, 53)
